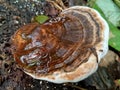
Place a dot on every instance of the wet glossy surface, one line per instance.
(62, 44)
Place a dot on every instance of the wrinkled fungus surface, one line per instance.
(75, 40)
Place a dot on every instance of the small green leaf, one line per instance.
(114, 38)
(41, 18)
(32, 63)
(117, 82)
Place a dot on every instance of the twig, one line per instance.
(74, 86)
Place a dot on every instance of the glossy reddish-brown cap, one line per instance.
(66, 50)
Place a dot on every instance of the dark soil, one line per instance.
(14, 14)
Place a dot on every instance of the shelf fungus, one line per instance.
(67, 48)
